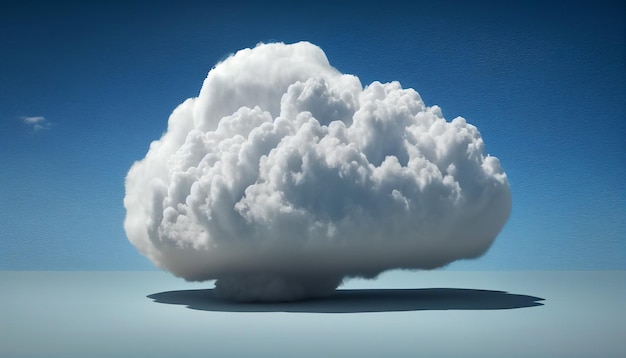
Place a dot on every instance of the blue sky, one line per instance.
(545, 85)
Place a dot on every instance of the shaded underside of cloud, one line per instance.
(285, 176)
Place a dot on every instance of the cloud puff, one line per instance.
(37, 123)
(285, 176)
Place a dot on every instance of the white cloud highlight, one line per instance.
(285, 176)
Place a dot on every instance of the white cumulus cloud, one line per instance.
(285, 176)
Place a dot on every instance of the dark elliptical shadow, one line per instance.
(360, 300)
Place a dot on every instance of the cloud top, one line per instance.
(285, 176)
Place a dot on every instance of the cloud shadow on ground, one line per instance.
(360, 301)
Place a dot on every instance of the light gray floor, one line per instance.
(402, 314)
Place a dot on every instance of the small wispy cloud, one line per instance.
(37, 123)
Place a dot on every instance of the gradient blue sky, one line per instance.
(545, 85)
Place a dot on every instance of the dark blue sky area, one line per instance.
(545, 85)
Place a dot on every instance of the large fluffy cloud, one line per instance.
(284, 176)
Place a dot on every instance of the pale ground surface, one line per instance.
(107, 314)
